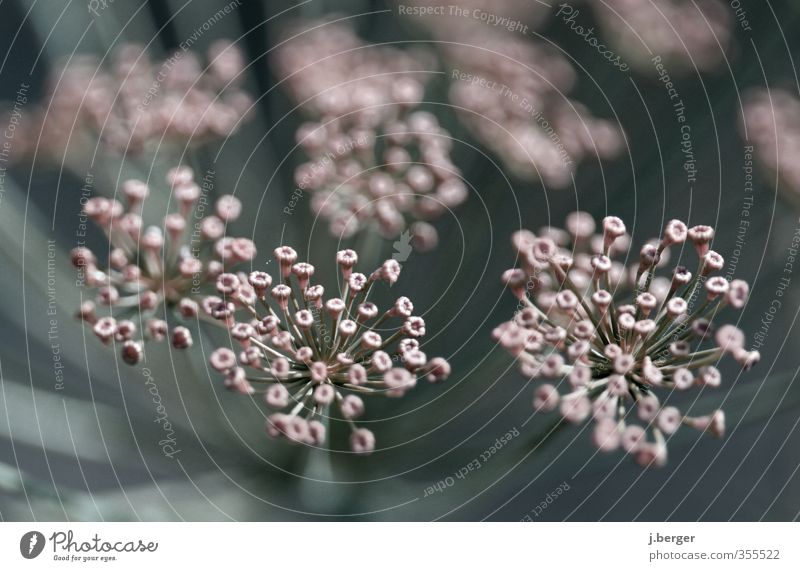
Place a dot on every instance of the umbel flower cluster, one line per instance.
(375, 159)
(772, 123)
(511, 96)
(686, 35)
(315, 353)
(611, 357)
(511, 91)
(138, 102)
(151, 271)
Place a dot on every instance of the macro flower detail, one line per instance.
(615, 356)
(152, 271)
(314, 354)
(375, 159)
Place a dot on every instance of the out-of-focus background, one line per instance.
(78, 439)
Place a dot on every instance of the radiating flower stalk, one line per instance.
(309, 355)
(375, 159)
(154, 272)
(613, 355)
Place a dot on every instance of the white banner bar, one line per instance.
(396, 546)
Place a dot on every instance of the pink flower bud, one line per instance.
(613, 228)
(712, 262)
(352, 407)
(135, 191)
(737, 294)
(362, 441)
(281, 294)
(222, 359)
(606, 436)
(285, 256)
(437, 370)
(228, 208)
(132, 352)
(545, 398)
(729, 338)
(303, 272)
(580, 224)
(181, 338)
(324, 394)
(277, 396)
(414, 327)
(575, 409)
(674, 233)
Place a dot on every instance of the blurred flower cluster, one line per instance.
(315, 352)
(374, 158)
(511, 93)
(154, 270)
(686, 35)
(138, 103)
(612, 352)
(771, 122)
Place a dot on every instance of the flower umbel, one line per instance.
(136, 102)
(511, 91)
(375, 159)
(613, 355)
(686, 35)
(313, 353)
(150, 268)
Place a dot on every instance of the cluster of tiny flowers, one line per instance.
(687, 35)
(138, 102)
(151, 270)
(312, 353)
(517, 108)
(509, 92)
(613, 355)
(772, 124)
(375, 159)
(581, 237)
